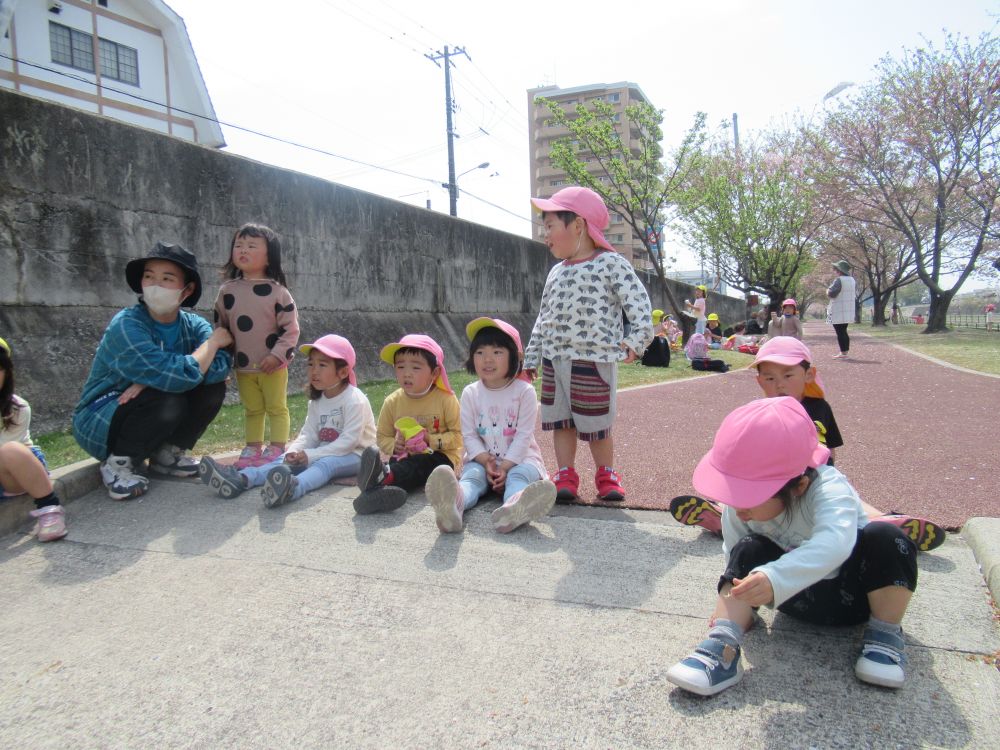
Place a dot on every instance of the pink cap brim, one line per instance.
(743, 493)
(545, 204)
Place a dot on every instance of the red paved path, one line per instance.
(918, 437)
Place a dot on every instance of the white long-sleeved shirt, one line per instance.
(501, 423)
(818, 534)
(580, 315)
(20, 424)
(336, 426)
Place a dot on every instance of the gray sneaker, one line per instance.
(121, 480)
(372, 470)
(279, 487)
(173, 461)
(381, 499)
(226, 480)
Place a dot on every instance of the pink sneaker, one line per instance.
(269, 454)
(51, 523)
(249, 456)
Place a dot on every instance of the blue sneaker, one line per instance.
(713, 667)
(279, 486)
(882, 659)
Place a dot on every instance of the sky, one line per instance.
(351, 83)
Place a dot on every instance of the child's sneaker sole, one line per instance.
(210, 474)
(692, 510)
(370, 468)
(379, 500)
(442, 490)
(925, 534)
(535, 502)
(278, 487)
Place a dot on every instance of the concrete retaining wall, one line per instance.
(81, 194)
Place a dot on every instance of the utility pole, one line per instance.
(449, 106)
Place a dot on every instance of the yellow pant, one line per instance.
(265, 394)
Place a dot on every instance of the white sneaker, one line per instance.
(533, 502)
(173, 461)
(121, 480)
(445, 496)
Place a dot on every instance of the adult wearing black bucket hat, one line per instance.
(158, 377)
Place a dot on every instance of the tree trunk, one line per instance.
(879, 302)
(937, 313)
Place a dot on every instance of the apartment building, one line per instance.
(547, 178)
(128, 59)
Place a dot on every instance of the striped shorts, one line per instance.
(580, 395)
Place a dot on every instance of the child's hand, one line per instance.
(221, 337)
(755, 590)
(630, 355)
(532, 373)
(269, 364)
(131, 392)
(297, 458)
(496, 475)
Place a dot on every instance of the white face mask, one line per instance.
(161, 301)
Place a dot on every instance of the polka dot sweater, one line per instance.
(261, 315)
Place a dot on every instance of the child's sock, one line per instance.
(727, 631)
(50, 499)
(885, 627)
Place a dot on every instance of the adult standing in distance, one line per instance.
(841, 309)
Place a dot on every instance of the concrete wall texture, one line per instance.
(80, 195)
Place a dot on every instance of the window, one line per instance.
(614, 98)
(103, 3)
(71, 47)
(555, 183)
(76, 49)
(119, 62)
(619, 238)
(616, 218)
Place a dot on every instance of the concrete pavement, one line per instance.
(182, 620)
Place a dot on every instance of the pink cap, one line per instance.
(419, 341)
(789, 351)
(758, 448)
(791, 302)
(335, 347)
(586, 204)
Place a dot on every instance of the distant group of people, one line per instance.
(795, 533)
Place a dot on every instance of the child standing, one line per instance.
(788, 324)
(696, 309)
(22, 465)
(784, 368)
(498, 431)
(257, 309)
(339, 426)
(418, 427)
(796, 539)
(578, 338)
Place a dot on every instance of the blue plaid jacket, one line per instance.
(131, 351)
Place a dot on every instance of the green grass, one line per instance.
(226, 431)
(972, 348)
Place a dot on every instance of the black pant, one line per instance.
(843, 340)
(882, 556)
(411, 472)
(140, 426)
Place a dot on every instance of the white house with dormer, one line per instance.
(127, 59)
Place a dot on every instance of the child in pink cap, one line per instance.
(498, 431)
(579, 337)
(339, 426)
(788, 323)
(419, 428)
(784, 368)
(796, 539)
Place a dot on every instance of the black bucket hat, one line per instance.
(175, 254)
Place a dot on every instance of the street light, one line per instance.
(452, 187)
